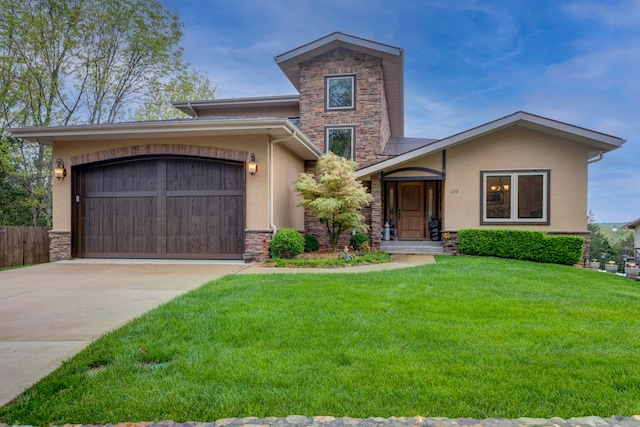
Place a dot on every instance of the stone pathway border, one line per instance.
(301, 421)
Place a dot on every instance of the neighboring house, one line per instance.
(184, 188)
(635, 225)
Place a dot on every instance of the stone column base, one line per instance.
(59, 245)
(256, 245)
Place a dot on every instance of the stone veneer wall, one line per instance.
(59, 245)
(311, 224)
(256, 244)
(370, 117)
(375, 231)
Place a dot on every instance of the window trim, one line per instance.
(515, 173)
(353, 138)
(326, 92)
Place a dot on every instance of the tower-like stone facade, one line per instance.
(368, 118)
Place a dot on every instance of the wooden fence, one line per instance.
(23, 245)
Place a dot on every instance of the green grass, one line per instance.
(13, 267)
(466, 337)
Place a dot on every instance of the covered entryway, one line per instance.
(160, 207)
(410, 205)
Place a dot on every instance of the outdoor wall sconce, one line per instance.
(59, 171)
(252, 165)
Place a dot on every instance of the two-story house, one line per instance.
(219, 184)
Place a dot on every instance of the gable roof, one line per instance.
(600, 142)
(396, 146)
(392, 68)
(278, 129)
(632, 224)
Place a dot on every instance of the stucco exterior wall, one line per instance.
(511, 149)
(432, 161)
(257, 191)
(287, 168)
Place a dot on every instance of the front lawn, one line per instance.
(466, 337)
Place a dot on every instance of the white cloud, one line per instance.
(611, 13)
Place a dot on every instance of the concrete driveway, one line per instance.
(50, 312)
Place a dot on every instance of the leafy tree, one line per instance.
(598, 242)
(188, 84)
(334, 196)
(25, 182)
(624, 245)
(76, 61)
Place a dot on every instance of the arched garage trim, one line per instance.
(160, 149)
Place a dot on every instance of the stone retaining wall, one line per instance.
(301, 421)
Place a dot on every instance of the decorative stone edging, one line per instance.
(321, 421)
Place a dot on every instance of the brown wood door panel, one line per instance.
(119, 225)
(163, 208)
(411, 223)
(204, 225)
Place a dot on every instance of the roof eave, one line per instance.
(632, 224)
(276, 128)
(189, 107)
(601, 142)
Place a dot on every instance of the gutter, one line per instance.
(192, 110)
(274, 229)
(596, 160)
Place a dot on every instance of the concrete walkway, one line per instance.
(49, 312)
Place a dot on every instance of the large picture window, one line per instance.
(340, 92)
(515, 197)
(340, 141)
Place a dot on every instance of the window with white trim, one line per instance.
(340, 141)
(515, 197)
(340, 92)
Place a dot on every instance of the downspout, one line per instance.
(274, 229)
(596, 160)
(195, 115)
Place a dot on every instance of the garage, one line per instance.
(161, 207)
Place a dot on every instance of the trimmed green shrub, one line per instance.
(523, 245)
(287, 243)
(311, 243)
(358, 239)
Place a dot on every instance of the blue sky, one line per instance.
(466, 63)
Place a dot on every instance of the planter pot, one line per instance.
(632, 272)
(594, 265)
(611, 268)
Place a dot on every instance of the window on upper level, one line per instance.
(515, 197)
(340, 141)
(340, 92)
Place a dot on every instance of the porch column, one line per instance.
(376, 212)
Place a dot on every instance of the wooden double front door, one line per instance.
(160, 208)
(411, 205)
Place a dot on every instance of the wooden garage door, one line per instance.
(162, 208)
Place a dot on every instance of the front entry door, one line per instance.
(411, 218)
